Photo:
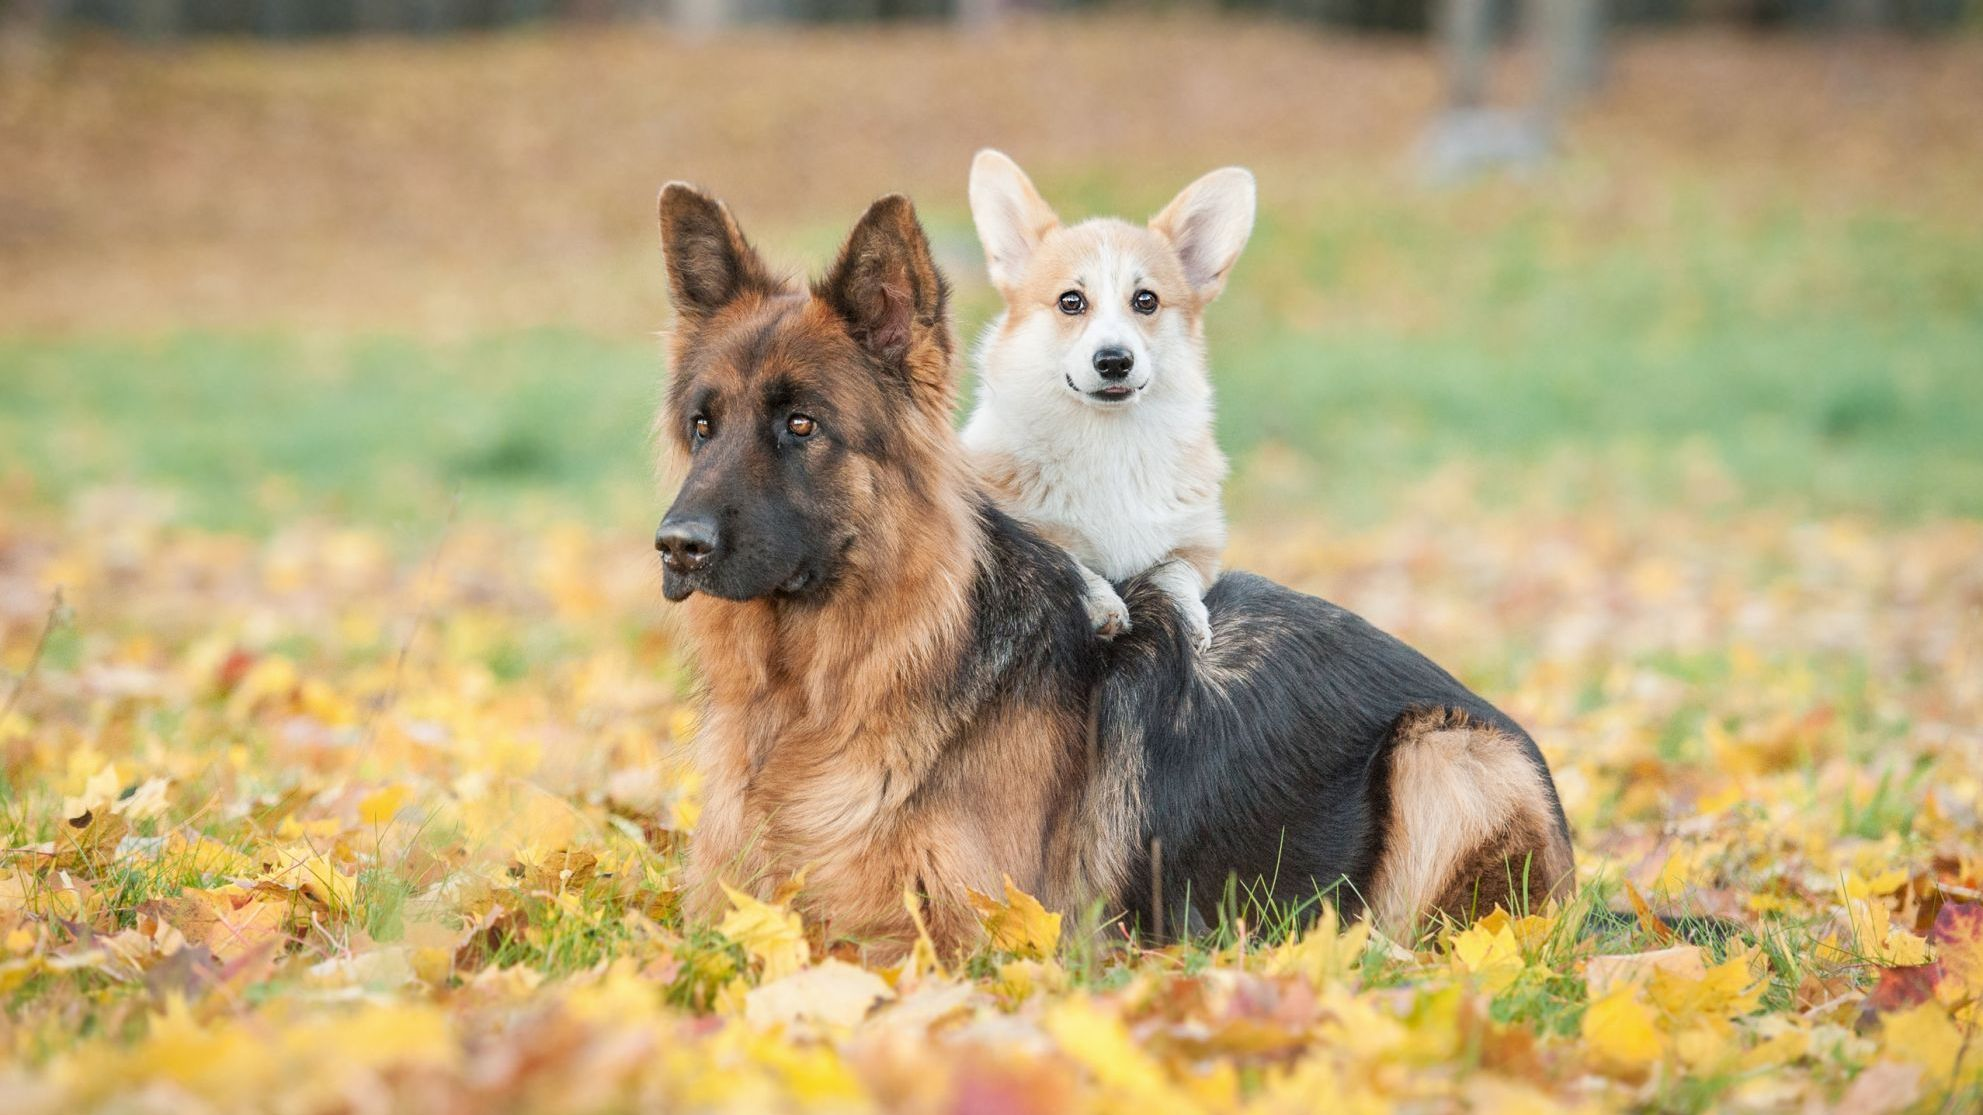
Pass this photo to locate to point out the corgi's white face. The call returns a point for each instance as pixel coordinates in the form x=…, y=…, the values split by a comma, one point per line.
x=1103, y=314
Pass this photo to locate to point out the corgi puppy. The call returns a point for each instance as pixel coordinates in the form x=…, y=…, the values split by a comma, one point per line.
x=1094, y=414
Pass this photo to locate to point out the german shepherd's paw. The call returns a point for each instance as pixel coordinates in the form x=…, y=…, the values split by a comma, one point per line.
x=1106, y=611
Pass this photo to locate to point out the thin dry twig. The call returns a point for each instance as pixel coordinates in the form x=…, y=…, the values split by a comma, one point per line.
x=420, y=617
x=48, y=625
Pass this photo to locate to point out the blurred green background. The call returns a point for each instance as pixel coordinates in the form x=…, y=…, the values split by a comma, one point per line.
x=364, y=277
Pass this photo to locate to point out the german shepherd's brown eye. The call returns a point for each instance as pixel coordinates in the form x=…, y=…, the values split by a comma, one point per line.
x=701, y=427
x=1144, y=301
x=801, y=425
x=1073, y=302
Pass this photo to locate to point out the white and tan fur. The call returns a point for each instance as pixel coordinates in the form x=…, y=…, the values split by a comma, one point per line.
x=1130, y=484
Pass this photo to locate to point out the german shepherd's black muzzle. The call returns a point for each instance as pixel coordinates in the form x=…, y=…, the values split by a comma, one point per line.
x=739, y=541
x=687, y=545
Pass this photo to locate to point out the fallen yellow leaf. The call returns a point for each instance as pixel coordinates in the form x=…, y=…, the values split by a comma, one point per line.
x=1620, y=1030
x=1492, y=957
x=831, y=994
x=1603, y=973
x=1098, y=1040
x=774, y=935
x=381, y=807
x=1019, y=924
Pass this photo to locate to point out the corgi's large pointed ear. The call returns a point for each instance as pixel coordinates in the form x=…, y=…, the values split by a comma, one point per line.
x=1010, y=214
x=1208, y=223
x=710, y=263
x=886, y=287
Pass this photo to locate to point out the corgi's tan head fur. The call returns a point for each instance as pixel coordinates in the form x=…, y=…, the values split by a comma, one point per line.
x=1105, y=313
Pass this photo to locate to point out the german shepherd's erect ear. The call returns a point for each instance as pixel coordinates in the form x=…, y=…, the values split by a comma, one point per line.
x=887, y=289
x=710, y=264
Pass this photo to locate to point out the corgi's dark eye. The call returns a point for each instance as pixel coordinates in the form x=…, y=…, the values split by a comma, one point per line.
x=700, y=427
x=1144, y=301
x=1073, y=302
x=801, y=425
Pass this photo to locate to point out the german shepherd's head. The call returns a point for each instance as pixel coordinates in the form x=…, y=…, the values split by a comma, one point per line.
x=813, y=423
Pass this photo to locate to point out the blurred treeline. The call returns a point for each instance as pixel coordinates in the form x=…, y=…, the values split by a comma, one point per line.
x=157, y=19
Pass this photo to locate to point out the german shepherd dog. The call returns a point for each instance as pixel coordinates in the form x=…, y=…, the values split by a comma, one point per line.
x=905, y=696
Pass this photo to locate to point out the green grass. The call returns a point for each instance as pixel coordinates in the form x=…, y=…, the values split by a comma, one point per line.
x=1827, y=364
x=245, y=430
x=1833, y=366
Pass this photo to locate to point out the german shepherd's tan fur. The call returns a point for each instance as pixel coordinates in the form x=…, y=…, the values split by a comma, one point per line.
x=822, y=724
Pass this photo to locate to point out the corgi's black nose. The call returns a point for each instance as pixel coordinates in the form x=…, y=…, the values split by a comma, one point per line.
x=1114, y=362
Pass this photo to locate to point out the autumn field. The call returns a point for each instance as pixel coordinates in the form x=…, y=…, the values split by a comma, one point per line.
x=342, y=722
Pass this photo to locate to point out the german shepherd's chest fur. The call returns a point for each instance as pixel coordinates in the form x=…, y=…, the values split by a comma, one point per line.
x=869, y=747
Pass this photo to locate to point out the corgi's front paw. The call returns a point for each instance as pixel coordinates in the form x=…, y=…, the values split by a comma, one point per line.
x=1106, y=612
x=1197, y=623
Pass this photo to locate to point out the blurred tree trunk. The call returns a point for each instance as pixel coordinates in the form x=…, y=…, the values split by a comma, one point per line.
x=280, y=19
x=424, y=16
x=31, y=19
x=372, y=16
x=26, y=27
x=707, y=15
x=1466, y=36
x=1471, y=137
x=155, y=20
x=1865, y=15
x=982, y=13
x=1570, y=34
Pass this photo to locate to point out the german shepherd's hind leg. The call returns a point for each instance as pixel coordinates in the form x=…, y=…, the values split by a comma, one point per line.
x=1106, y=612
x=1470, y=824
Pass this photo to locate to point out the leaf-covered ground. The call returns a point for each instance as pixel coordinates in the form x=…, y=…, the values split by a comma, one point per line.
x=341, y=720
x=293, y=825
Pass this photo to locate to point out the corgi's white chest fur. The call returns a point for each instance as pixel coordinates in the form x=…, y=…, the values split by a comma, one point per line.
x=1122, y=490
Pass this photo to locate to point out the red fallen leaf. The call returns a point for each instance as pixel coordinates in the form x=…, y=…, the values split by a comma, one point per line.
x=1514, y=1051
x=189, y=972
x=1958, y=940
x=232, y=669
x=1957, y=923
x=1900, y=988
x=1179, y=1000
x=1007, y=1089
x=487, y=938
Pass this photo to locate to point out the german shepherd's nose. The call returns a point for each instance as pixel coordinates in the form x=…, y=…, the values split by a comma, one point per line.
x=1114, y=362
x=686, y=544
